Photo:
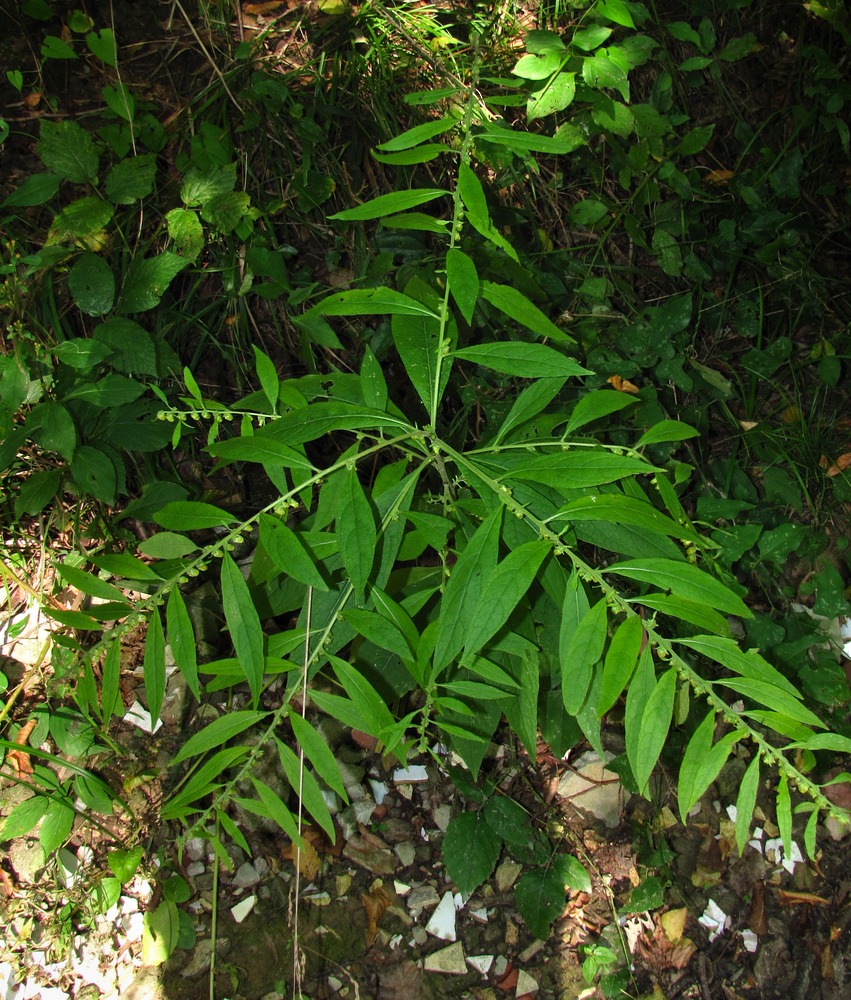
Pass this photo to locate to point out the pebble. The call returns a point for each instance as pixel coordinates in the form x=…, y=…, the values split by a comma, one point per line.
x=449, y=961
x=195, y=868
x=246, y=876
x=243, y=908
x=442, y=923
x=424, y=897
x=406, y=853
x=196, y=848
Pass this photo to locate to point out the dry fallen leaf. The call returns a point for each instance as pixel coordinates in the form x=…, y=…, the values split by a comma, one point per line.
x=673, y=923
x=375, y=902
x=790, y=898
x=622, y=385
x=838, y=467
x=307, y=859
x=719, y=176
x=20, y=759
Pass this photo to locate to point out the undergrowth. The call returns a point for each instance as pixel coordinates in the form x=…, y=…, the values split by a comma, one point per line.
x=480, y=384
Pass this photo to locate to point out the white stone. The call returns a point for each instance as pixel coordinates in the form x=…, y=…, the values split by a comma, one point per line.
x=412, y=775
x=379, y=790
x=442, y=816
x=442, y=923
x=195, y=868
x=750, y=941
x=406, y=853
x=593, y=789
x=137, y=715
x=481, y=963
x=195, y=848
x=243, y=908
x=246, y=876
x=525, y=984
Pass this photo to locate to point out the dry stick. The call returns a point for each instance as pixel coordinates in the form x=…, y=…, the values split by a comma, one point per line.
x=297, y=853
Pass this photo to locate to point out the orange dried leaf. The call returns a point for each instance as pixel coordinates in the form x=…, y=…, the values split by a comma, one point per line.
x=790, y=898
x=375, y=902
x=306, y=859
x=719, y=176
x=622, y=385
x=839, y=466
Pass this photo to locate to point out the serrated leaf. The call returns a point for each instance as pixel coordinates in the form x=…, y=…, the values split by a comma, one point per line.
x=573, y=873
x=683, y=580
x=244, y=625
x=582, y=653
x=540, y=897
x=68, y=151
x=92, y=284
x=508, y=819
x=523, y=360
x=389, y=204
x=701, y=763
x=154, y=665
x=131, y=179
x=147, y=280
x=186, y=232
x=217, y=733
x=24, y=817
x=470, y=851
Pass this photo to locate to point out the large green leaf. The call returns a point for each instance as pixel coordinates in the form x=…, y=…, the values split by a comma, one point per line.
x=369, y=702
x=540, y=897
x=417, y=339
x=463, y=281
x=289, y=553
x=772, y=697
x=683, y=580
x=625, y=510
x=307, y=787
x=154, y=665
x=470, y=850
x=320, y=755
x=580, y=655
x=620, y=662
x=463, y=594
x=692, y=612
x=579, y=469
x=746, y=803
x=356, y=531
x=147, y=280
x=243, y=624
x=190, y=515
x=68, y=150
x=502, y=592
x=181, y=638
x=531, y=401
x=318, y=419
x=750, y=664
x=217, y=733
x=598, y=404
x=388, y=204
x=472, y=194
x=516, y=305
x=523, y=360
x=644, y=747
x=419, y=133
x=701, y=762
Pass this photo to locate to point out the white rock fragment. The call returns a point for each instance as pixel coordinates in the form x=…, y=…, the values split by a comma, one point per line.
x=379, y=790
x=317, y=898
x=442, y=923
x=195, y=868
x=335, y=984
x=196, y=848
x=449, y=961
x=243, y=908
x=750, y=941
x=137, y=715
x=525, y=984
x=442, y=815
x=714, y=919
x=415, y=774
x=593, y=789
x=401, y=888
x=775, y=846
x=481, y=914
x=481, y=963
x=406, y=853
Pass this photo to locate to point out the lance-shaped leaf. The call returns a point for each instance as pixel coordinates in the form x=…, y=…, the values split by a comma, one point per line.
x=217, y=733
x=579, y=469
x=687, y=611
x=289, y=553
x=751, y=664
x=502, y=592
x=534, y=398
x=388, y=204
x=307, y=787
x=683, y=580
x=181, y=638
x=746, y=803
x=582, y=652
x=356, y=531
x=244, y=625
x=463, y=281
x=368, y=701
x=772, y=697
x=523, y=360
x=463, y=593
x=598, y=404
x=473, y=196
x=515, y=304
x=418, y=339
x=202, y=782
x=261, y=449
x=419, y=133
x=154, y=665
x=322, y=418
x=667, y=430
x=189, y=515
x=701, y=763
x=620, y=662
x=370, y=302
x=624, y=510
x=644, y=747
x=317, y=751
x=110, y=683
